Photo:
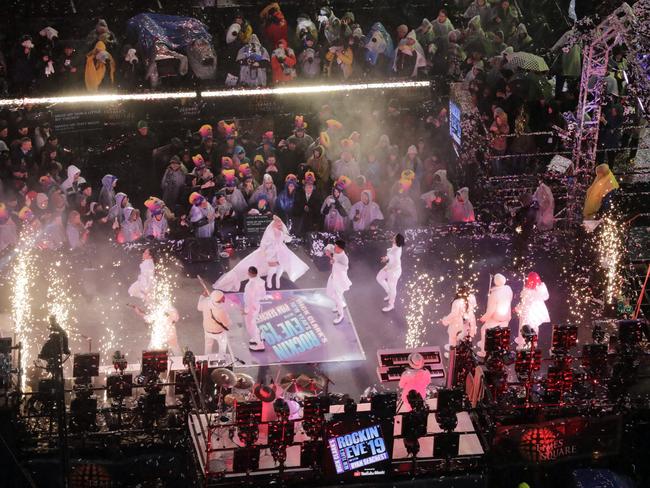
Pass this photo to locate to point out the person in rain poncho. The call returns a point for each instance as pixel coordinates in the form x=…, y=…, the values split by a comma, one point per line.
x=380, y=50
x=365, y=214
x=285, y=206
x=461, y=209
x=173, y=182
x=338, y=282
x=442, y=26
x=442, y=194
x=272, y=257
x=409, y=57
x=461, y=321
x=202, y=216
x=156, y=225
x=321, y=167
x=481, y=9
x=283, y=63
x=143, y=287
x=531, y=309
x=99, y=64
x=233, y=194
x=216, y=321
x=347, y=165
x=546, y=203
x=267, y=190
x=71, y=183
x=604, y=183
x=253, y=59
x=401, y=208
x=107, y=193
x=254, y=293
x=116, y=212
x=391, y=272
x=76, y=231
x=336, y=209
x=131, y=229
x=8, y=232
x=498, y=311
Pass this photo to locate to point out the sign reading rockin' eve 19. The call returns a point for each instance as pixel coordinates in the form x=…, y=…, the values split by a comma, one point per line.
x=290, y=329
x=358, y=449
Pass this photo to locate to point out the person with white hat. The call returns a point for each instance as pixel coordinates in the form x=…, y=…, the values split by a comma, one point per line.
x=499, y=309
x=415, y=377
x=216, y=321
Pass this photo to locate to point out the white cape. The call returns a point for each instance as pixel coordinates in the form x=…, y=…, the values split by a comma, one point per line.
x=274, y=242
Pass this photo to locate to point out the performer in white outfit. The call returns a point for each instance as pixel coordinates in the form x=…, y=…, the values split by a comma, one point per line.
x=531, y=309
x=338, y=282
x=499, y=309
x=143, y=287
x=216, y=321
x=391, y=272
x=273, y=257
x=254, y=293
x=461, y=321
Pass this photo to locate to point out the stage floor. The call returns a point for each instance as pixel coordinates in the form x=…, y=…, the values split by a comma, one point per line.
x=93, y=290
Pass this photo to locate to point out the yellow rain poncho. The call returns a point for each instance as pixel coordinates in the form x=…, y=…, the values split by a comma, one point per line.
x=604, y=183
x=96, y=69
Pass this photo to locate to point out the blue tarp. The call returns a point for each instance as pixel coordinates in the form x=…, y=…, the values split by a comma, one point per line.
x=174, y=31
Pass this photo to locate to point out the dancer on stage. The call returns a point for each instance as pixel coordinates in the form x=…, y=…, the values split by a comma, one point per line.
x=273, y=257
x=143, y=287
x=498, y=311
x=216, y=321
x=338, y=282
x=390, y=273
x=461, y=320
x=531, y=309
x=254, y=292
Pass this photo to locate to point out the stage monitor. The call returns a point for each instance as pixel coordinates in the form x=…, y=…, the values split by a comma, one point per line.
x=358, y=449
x=455, y=128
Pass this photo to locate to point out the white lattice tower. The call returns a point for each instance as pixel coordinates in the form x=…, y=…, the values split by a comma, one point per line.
x=609, y=33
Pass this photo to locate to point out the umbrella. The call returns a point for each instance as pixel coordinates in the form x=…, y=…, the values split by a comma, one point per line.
x=527, y=61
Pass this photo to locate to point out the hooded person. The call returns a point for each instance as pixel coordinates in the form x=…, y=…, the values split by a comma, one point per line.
x=603, y=184
x=173, y=182
x=216, y=321
x=460, y=321
x=222, y=207
x=499, y=309
x=8, y=231
x=156, y=226
x=336, y=210
x=71, y=184
x=442, y=26
x=461, y=209
x=131, y=229
x=521, y=41
x=143, y=287
x=321, y=167
x=272, y=258
x=347, y=165
x=481, y=9
x=283, y=63
x=308, y=203
x=329, y=27
x=275, y=25
x=25, y=65
x=100, y=68
x=531, y=308
x=285, y=206
x=202, y=216
x=546, y=207
x=253, y=59
x=234, y=194
x=442, y=194
x=300, y=138
x=365, y=214
x=309, y=59
x=409, y=57
x=402, y=213
x=266, y=189
x=379, y=51
x=116, y=212
x=107, y=193
x=425, y=34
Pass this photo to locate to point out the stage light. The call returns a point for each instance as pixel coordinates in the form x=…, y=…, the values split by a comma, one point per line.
x=565, y=337
x=253, y=92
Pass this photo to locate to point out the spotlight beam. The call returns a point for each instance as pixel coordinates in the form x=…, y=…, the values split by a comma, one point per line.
x=253, y=92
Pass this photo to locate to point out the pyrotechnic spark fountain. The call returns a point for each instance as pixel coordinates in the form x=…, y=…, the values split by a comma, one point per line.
x=59, y=298
x=422, y=291
x=161, y=303
x=610, y=249
x=23, y=277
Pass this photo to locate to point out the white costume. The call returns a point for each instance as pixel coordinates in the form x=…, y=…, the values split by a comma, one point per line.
x=390, y=273
x=531, y=309
x=461, y=320
x=216, y=322
x=143, y=287
x=338, y=282
x=272, y=248
x=499, y=308
x=198, y=214
x=254, y=293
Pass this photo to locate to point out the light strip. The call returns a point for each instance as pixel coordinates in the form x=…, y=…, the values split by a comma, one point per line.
x=304, y=90
x=106, y=98
x=289, y=90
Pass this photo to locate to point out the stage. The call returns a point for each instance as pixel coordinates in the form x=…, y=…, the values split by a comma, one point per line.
x=91, y=289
